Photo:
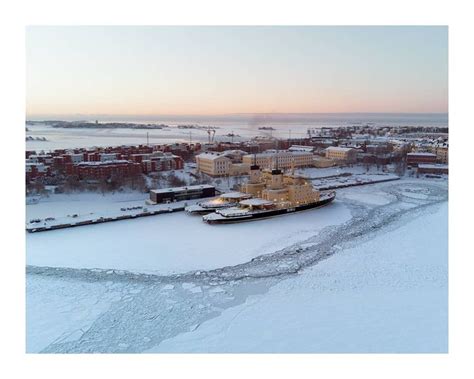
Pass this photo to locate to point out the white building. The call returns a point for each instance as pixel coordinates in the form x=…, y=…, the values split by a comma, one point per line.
x=341, y=153
x=214, y=164
x=284, y=159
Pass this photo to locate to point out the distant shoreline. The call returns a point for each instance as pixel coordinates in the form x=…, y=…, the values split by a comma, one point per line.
x=259, y=120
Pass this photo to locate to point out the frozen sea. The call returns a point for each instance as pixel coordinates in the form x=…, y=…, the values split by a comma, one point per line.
x=170, y=243
x=242, y=126
x=365, y=274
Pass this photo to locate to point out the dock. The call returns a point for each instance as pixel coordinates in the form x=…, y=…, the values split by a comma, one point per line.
x=75, y=220
x=335, y=182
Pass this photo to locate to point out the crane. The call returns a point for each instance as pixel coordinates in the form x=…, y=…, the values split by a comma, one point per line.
x=211, y=132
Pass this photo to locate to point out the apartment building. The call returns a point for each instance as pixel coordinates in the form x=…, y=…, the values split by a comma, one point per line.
x=417, y=158
x=104, y=170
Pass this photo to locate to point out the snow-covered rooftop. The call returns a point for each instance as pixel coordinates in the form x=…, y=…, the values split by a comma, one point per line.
x=338, y=148
x=234, y=152
x=270, y=153
x=427, y=165
x=103, y=163
x=308, y=149
x=421, y=154
x=182, y=189
x=210, y=156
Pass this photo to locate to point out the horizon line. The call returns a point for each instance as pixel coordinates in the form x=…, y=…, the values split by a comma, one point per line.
x=227, y=114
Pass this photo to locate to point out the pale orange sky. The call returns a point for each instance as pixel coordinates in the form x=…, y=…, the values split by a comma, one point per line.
x=219, y=70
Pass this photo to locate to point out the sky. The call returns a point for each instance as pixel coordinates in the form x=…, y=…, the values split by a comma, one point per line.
x=209, y=70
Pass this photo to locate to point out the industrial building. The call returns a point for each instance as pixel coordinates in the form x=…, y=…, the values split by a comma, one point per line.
x=167, y=195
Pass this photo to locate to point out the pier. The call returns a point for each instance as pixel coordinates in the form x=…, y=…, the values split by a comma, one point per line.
x=335, y=182
x=74, y=220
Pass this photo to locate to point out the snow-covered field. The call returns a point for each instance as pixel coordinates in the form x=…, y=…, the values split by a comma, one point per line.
x=366, y=274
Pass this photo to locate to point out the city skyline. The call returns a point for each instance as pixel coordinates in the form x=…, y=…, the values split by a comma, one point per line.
x=140, y=70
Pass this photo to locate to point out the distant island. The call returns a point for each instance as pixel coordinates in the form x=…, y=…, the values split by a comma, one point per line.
x=112, y=125
x=194, y=126
x=97, y=125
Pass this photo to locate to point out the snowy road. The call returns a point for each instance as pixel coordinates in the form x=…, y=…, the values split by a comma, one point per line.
x=110, y=310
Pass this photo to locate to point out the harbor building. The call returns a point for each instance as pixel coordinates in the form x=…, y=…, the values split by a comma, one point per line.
x=167, y=195
x=341, y=153
x=220, y=164
x=283, y=159
x=214, y=164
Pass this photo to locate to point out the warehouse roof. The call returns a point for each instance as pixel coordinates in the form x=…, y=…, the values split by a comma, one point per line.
x=211, y=156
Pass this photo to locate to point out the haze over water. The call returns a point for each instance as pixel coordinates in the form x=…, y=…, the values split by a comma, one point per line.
x=277, y=120
x=243, y=126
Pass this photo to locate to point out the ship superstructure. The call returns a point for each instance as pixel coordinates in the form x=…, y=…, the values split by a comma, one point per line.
x=252, y=188
x=273, y=193
x=223, y=201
